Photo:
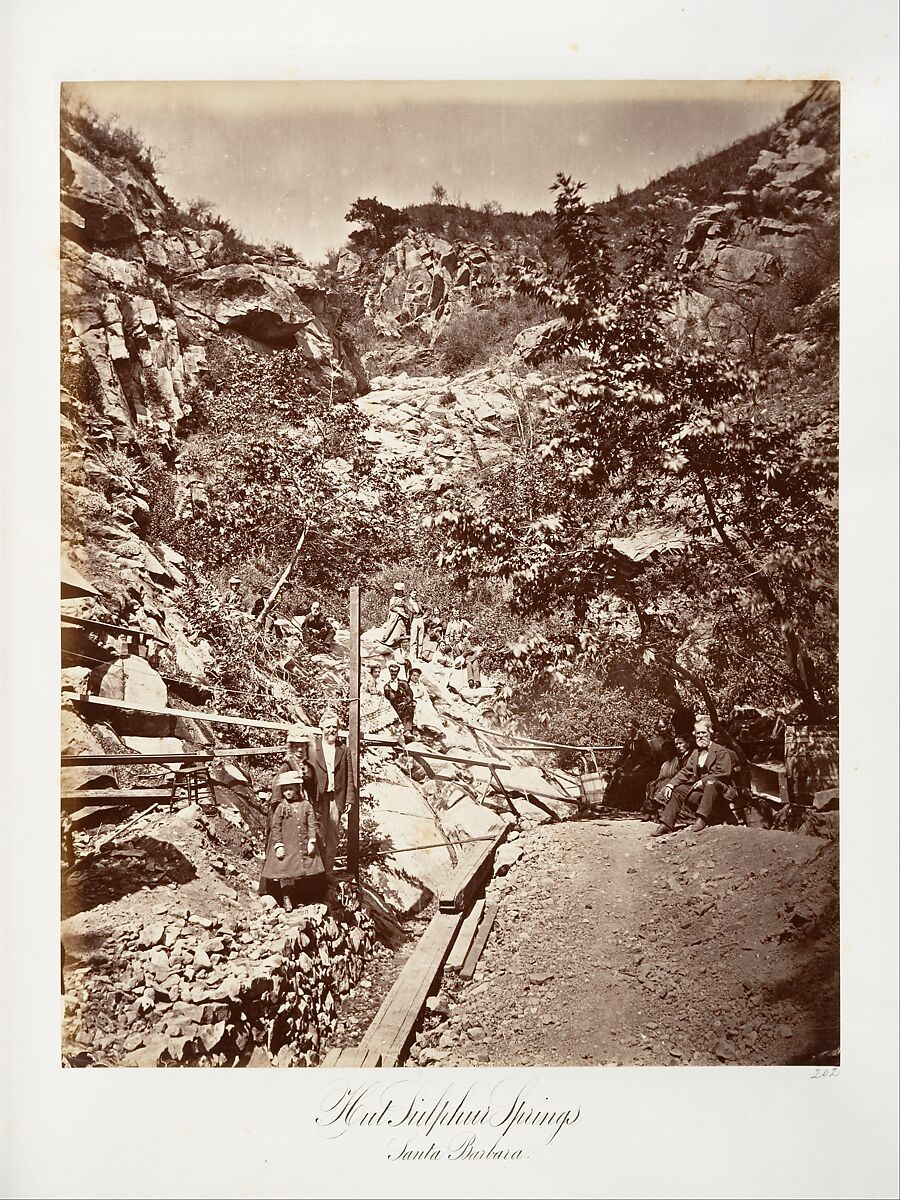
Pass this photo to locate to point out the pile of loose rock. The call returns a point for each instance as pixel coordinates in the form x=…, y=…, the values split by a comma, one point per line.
x=196, y=991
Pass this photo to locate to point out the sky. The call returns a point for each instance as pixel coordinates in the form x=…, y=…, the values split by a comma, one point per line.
x=284, y=161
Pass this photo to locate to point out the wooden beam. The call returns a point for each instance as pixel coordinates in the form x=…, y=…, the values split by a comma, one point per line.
x=468, y=876
x=506, y=796
x=487, y=922
x=126, y=798
x=401, y=1008
x=353, y=723
x=330, y=1059
x=496, y=763
x=108, y=627
x=282, y=579
x=464, y=938
x=532, y=744
x=136, y=760
x=210, y=718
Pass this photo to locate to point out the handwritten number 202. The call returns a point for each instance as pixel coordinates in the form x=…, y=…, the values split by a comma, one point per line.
x=826, y=1072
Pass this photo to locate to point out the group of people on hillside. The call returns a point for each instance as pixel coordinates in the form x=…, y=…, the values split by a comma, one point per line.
x=430, y=635
x=668, y=773
x=416, y=634
x=310, y=794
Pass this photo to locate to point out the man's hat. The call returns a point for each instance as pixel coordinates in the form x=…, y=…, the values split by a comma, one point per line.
x=235, y=579
x=398, y=587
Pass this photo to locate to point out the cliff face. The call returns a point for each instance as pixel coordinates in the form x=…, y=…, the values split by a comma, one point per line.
x=142, y=293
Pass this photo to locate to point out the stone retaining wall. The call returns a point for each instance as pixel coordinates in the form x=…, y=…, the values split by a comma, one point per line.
x=191, y=991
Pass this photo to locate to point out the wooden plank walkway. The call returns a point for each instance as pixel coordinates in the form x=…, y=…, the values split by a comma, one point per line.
x=390, y=1031
x=464, y=938
x=462, y=885
x=484, y=930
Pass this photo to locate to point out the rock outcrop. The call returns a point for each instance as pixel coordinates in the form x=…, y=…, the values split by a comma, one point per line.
x=422, y=278
x=739, y=241
x=142, y=290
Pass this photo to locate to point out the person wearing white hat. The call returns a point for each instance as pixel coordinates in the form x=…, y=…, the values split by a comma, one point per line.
x=330, y=760
x=293, y=869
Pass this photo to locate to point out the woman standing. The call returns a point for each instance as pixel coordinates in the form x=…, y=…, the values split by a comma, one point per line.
x=292, y=863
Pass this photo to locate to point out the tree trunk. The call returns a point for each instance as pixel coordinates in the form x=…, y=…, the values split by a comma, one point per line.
x=283, y=578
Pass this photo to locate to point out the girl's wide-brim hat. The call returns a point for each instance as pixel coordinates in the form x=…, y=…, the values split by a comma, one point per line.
x=398, y=587
x=290, y=779
x=297, y=733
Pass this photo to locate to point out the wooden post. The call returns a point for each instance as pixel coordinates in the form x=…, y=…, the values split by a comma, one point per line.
x=353, y=725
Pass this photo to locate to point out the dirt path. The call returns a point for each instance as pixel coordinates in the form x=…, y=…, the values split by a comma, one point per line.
x=613, y=948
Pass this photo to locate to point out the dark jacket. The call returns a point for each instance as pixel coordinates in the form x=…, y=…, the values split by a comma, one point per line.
x=294, y=827
x=343, y=781
x=401, y=698
x=718, y=766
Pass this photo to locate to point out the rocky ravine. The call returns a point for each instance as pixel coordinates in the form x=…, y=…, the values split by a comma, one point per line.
x=141, y=294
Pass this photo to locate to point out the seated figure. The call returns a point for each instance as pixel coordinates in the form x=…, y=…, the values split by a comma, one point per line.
x=703, y=786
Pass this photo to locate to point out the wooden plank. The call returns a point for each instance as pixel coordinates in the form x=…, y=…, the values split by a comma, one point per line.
x=396, y=1030
x=130, y=798
x=135, y=760
x=402, y=1006
x=464, y=938
x=209, y=718
x=487, y=922
x=372, y=1059
x=468, y=876
x=330, y=1059
x=415, y=752
x=353, y=730
x=351, y=1056
x=107, y=627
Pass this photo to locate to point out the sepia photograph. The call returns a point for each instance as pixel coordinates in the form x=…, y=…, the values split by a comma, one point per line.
x=449, y=573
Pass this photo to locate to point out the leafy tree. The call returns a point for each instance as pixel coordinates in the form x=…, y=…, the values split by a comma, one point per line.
x=662, y=430
x=382, y=226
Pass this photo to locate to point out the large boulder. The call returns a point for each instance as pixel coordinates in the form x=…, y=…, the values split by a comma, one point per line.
x=414, y=861
x=134, y=681
x=271, y=306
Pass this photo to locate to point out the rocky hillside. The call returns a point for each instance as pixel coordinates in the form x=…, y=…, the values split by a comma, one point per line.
x=217, y=419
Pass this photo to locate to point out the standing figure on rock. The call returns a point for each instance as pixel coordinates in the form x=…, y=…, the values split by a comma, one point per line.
x=416, y=625
x=396, y=624
x=330, y=760
x=293, y=870
x=399, y=695
x=703, y=786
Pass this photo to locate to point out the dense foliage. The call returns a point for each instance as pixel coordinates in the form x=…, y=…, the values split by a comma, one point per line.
x=662, y=431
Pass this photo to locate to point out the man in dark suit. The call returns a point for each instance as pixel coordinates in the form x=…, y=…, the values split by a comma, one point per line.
x=703, y=785
x=330, y=760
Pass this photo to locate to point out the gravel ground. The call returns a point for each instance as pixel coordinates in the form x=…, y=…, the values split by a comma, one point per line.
x=613, y=948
